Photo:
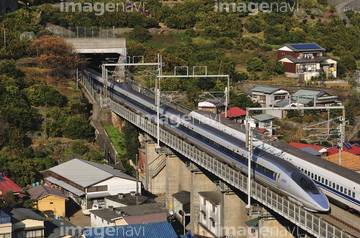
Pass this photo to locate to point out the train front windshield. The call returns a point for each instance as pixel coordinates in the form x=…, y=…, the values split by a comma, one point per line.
x=305, y=183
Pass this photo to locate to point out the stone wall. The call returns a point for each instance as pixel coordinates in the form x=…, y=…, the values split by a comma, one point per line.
x=8, y=6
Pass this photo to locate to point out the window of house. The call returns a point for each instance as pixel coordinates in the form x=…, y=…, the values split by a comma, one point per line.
x=204, y=216
x=212, y=220
x=51, y=202
x=142, y=167
x=262, y=97
x=97, y=188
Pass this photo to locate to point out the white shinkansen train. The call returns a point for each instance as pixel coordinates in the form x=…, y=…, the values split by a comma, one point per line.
x=280, y=175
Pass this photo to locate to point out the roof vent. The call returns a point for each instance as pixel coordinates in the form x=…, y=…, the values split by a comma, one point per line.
x=133, y=193
x=119, y=212
x=111, y=208
x=120, y=195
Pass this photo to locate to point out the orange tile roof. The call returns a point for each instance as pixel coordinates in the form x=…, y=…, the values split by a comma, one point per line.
x=348, y=160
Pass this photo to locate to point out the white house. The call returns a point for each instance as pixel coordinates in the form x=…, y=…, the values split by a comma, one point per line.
x=90, y=182
x=210, y=211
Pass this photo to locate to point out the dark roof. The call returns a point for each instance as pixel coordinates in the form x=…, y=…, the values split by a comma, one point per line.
x=298, y=61
x=42, y=191
x=135, y=210
x=59, y=228
x=264, y=89
x=212, y=196
x=183, y=197
x=20, y=214
x=156, y=229
x=146, y=218
x=6, y=184
x=130, y=200
x=300, y=47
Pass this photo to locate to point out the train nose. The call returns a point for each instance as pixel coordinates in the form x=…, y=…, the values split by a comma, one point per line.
x=321, y=202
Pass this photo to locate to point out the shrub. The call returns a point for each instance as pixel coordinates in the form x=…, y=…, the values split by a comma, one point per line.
x=254, y=64
x=312, y=16
x=78, y=147
x=140, y=34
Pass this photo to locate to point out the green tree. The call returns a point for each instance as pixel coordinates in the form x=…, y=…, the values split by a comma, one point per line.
x=254, y=64
x=140, y=34
x=131, y=141
x=94, y=156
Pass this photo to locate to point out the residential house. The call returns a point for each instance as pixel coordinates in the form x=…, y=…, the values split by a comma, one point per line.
x=264, y=122
x=154, y=229
x=304, y=98
x=6, y=184
x=5, y=225
x=143, y=213
x=352, y=149
x=181, y=202
x=25, y=223
x=317, y=150
x=128, y=199
x=210, y=210
x=49, y=200
x=236, y=114
x=267, y=97
x=348, y=160
x=305, y=60
x=90, y=182
x=214, y=105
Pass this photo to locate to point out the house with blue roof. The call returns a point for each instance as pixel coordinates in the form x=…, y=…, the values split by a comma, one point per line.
x=306, y=60
x=154, y=229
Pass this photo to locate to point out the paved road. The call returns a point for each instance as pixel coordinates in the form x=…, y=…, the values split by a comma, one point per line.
x=340, y=10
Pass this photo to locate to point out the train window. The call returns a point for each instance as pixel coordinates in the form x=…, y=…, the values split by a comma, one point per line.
x=345, y=191
x=312, y=175
x=341, y=189
x=326, y=182
x=349, y=192
x=337, y=186
x=305, y=172
x=322, y=180
x=333, y=185
x=315, y=177
x=353, y=195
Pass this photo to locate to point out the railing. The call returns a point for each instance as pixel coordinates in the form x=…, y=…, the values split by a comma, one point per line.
x=294, y=213
x=83, y=32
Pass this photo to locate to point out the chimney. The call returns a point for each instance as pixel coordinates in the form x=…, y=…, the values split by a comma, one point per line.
x=111, y=208
x=120, y=195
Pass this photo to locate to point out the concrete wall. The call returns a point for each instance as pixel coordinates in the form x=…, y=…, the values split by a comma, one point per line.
x=98, y=45
x=271, y=228
x=200, y=182
x=178, y=178
x=118, y=185
x=5, y=229
x=97, y=221
x=52, y=203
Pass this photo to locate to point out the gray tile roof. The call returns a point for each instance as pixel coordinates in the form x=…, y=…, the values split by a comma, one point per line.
x=86, y=173
x=129, y=200
x=20, y=214
x=311, y=150
x=264, y=89
x=134, y=210
x=306, y=93
x=212, y=196
x=183, y=197
x=43, y=191
x=263, y=117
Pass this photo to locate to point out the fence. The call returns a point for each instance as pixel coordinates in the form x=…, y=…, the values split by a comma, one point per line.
x=83, y=32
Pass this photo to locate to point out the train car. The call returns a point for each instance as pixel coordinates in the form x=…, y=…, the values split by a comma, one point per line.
x=341, y=185
x=281, y=176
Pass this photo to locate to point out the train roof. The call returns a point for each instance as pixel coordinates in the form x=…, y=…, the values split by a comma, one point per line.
x=323, y=163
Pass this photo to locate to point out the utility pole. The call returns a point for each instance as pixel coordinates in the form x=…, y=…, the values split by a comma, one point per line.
x=137, y=179
x=249, y=138
x=4, y=38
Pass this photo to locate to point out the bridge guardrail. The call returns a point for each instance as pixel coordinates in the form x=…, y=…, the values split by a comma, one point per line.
x=304, y=219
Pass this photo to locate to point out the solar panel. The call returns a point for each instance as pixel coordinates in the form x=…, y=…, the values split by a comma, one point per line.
x=306, y=46
x=347, y=145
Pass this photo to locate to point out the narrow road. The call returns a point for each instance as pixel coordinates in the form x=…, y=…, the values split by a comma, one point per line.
x=340, y=10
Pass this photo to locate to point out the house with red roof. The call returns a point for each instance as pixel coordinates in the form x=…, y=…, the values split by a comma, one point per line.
x=6, y=184
x=314, y=148
x=352, y=149
x=235, y=113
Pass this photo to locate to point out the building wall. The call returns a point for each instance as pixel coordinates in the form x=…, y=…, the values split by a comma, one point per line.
x=52, y=203
x=28, y=223
x=289, y=67
x=205, y=220
x=97, y=221
x=5, y=230
x=291, y=53
x=121, y=222
x=118, y=185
